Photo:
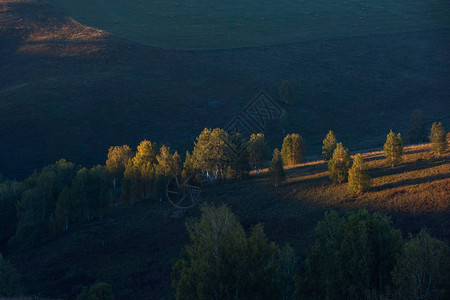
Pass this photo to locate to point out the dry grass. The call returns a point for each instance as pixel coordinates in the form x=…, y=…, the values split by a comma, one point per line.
x=415, y=194
x=419, y=185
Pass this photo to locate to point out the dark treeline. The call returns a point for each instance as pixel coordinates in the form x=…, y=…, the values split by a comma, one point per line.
x=358, y=256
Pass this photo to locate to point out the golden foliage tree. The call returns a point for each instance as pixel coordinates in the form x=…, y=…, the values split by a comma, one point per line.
x=438, y=138
x=393, y=149
x=329, y=144
x=293, y=149
x=339, y=164
x=117, y=161
x=358, y=177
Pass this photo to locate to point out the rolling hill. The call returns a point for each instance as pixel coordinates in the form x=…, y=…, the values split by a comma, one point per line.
x=68, y=90
x=133, y=247
x=210, y=24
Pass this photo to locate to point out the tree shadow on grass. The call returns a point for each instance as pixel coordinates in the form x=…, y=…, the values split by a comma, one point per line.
x=412, y=181
x=380, y=155
x=420, y=164
x=315, y=181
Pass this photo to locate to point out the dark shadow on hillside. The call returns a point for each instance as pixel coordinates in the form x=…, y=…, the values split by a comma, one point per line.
x=420, y=164
x=407, y=182
x=380, y=156
x=308, y=169
x=437, y=224
x=315, y=181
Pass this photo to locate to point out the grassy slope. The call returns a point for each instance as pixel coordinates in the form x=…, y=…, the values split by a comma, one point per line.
x=133, y=248
x=212, y=24
x=67, y=90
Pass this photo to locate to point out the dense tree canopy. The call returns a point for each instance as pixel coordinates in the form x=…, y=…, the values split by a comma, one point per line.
x=9, y=196
x=351, y=258
x=91, y=191
x=211, y=151
x=141, y=173
x=117, y=161
x=32, y=222
x=221, y=262
x=423, y=269
x=168, y=164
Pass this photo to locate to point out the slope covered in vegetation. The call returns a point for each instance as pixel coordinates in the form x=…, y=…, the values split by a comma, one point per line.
x=134, y=247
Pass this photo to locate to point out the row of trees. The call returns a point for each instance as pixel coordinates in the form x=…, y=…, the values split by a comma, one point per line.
x=216, y=153
x=343, y=168
x=63, y=193
x=353, y=257
x=416, y=133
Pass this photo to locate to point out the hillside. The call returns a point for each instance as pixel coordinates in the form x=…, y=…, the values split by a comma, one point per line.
x=211, y=24
x=134, y=247
x=72, y=91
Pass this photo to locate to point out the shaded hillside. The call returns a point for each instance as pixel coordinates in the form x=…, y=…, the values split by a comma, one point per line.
x=133, y=248
x=211, y=24
x=67, y=90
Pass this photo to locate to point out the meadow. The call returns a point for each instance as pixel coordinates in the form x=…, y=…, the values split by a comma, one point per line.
x=211, y=24
x=134, y=247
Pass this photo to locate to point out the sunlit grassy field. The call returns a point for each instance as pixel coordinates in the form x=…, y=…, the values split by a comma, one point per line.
x=200, y=24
